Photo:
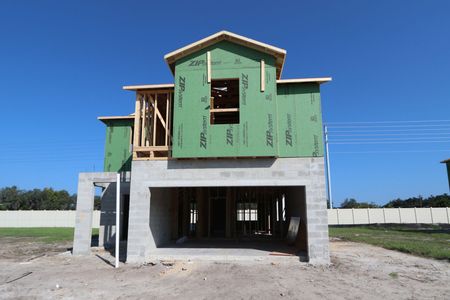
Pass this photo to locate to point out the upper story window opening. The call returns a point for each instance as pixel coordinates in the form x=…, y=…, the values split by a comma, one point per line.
x=224, y=105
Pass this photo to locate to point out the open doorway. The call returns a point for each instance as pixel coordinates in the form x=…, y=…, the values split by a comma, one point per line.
x=125, y=212
x=217, y=211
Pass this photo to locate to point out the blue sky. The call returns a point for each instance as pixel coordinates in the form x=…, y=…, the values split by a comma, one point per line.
x=63, y=63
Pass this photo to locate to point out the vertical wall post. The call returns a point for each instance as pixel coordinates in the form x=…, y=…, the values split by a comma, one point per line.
x=137, y=121
x=448, y=216
x=155, y=116
x=263, y=75
x=415, y=214
x=208, y=66
x=330, y=197
x=143, y=131
x=167, y=119
x=117, y=219
x=431, y=214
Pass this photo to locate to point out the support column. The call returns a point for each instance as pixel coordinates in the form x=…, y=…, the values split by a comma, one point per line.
x=83, y=221
x=85, y=207
x=316, y=215
x=140, y=238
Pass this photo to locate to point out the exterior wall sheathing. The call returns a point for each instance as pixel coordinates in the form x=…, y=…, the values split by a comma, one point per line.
x=118, y=146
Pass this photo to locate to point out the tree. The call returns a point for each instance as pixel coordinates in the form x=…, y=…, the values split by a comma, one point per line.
x=432, y=201
x=11, y=198
x=352, y=203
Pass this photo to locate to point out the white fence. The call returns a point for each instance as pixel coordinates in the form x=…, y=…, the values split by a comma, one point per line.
x=42, y=218
x=66, y=218
x=424, y=215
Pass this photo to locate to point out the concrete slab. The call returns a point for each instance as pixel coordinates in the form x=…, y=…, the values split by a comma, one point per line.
x=225, y=250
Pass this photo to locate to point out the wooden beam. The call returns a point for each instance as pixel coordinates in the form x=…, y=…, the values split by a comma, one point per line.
x=155, y=110
x=149, y=122
x=137, y=121
x=154, y=103
x=167, y=118
x=208, y=63
x=263, y=75
x=143, y=137
x=215, y=110
x=152, y=148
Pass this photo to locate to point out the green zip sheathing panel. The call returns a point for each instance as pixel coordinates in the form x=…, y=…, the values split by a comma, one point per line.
x=256, y=133
x=117, y=147
x=299, y=120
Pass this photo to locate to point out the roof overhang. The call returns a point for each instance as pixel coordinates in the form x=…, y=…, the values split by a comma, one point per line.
x=318, y=80
x=278, y=53
x=446, y=161
x=104, y=119
x=162, y=86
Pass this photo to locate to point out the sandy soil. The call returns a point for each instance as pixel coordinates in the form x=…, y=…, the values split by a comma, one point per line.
x=358, y=271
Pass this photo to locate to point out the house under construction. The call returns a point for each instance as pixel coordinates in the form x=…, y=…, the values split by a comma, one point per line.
x=228, y=151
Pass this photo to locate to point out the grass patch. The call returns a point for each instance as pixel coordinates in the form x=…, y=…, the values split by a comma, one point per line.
x=393, y=275
x=428, y=241
x=44, y=234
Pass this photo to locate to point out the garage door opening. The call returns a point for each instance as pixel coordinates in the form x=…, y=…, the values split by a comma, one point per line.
x=256, y=218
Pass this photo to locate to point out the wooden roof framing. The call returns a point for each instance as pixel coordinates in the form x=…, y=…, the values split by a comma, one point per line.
x=318, y=80
x=107, y=118
x=278, y=53
x=162, y=86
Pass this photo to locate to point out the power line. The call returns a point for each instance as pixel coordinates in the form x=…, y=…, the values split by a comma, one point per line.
x=394, y=134
x=388, y=126
x=386, y=122
x=399, y=151
x=394, y=142
x=389, y=139
x=359, y=130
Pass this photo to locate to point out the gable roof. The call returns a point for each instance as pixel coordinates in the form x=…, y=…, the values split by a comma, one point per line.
x=278, y=53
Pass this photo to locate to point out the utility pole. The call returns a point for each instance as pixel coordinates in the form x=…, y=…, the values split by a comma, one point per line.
x=327, y=157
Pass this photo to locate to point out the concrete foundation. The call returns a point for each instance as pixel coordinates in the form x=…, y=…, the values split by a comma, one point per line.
x=149, y=222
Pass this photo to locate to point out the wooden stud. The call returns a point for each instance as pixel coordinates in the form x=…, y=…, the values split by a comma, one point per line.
x=208, y=63
x=149, y=121
x=224, y=110
x=155, y=108
x=263, y=75
x=143, y=137
x=167, y=118
x=137, y=121
x=160, y=117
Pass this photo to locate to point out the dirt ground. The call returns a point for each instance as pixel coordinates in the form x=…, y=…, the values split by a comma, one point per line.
x=358, y=271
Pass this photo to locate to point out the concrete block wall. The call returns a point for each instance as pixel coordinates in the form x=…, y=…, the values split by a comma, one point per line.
x=317, y=216
x=307, y=172
x=160, y=215
x=107, y=228
x=85, y=208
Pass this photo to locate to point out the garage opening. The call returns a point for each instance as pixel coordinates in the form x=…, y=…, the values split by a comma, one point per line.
x=224, y=217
